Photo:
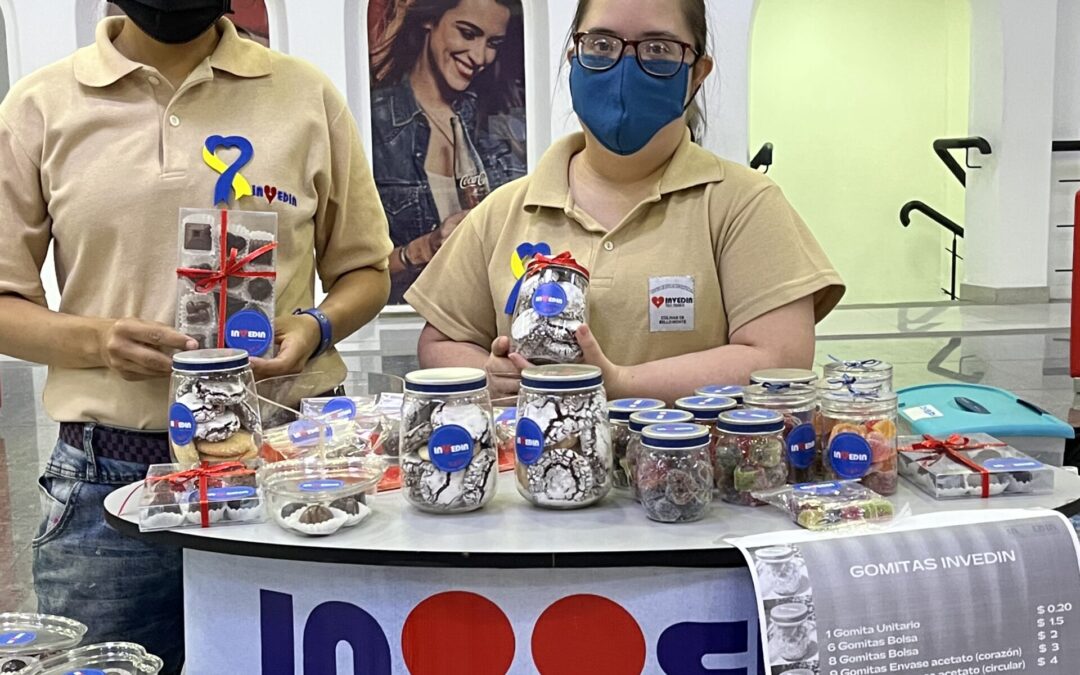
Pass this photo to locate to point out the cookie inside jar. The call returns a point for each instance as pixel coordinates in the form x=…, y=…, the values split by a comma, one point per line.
x=551, y=305
x=214, y=416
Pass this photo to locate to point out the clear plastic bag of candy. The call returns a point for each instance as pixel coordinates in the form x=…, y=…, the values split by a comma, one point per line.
x=829, y=505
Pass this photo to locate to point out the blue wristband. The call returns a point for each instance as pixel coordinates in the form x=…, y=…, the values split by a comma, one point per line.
x=326, y=331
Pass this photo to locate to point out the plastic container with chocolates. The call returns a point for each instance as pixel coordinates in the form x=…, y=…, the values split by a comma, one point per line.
x=27, y=637
x=734, y=391
x=858, y=437
x=319, y=497
x=226, y=278
x=563, y=439
x=449, y=459
x=973, y=465
x=214, y=416
x=619, y=416
x=829, y=505
x=177, y=495
x=750, y=454
x=798, y=404
x=638, y=422
x=109, y=658
x=674, y=472
x=551, y=305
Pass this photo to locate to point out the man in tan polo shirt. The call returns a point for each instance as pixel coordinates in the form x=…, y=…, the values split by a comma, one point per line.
x=97, y=155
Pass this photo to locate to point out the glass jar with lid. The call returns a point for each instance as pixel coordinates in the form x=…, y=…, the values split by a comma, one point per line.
x=858, y=437
x=749, y=454
x=791, y=631
x=784, y=376
x=674, y=472
x=706, y=410
x=638, y=422
x=619, y=416
x=798, y=404
x=449, y=453
x=214, y=416
x=734, y=391
x=563, y=451
x=867, y=373
x=778, y=571
x=549, y=306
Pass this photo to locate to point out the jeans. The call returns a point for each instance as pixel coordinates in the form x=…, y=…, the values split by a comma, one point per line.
x=122, y=588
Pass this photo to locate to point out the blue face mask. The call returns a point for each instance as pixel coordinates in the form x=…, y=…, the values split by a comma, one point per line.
x=625, y=107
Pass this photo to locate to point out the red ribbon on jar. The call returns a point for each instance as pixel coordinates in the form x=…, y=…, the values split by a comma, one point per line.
x=953, y=447
x=204, y=474
x=564, y=259
x=231, y=266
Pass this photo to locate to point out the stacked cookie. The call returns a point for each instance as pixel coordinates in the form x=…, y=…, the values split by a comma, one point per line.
x=226, y=422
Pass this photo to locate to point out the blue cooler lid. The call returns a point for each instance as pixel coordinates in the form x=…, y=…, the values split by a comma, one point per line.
x=956, y=408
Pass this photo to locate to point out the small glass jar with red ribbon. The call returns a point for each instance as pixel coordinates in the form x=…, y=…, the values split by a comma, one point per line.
x=857, y=437
x=176, y=495
x=971, y=465
x=551, y=304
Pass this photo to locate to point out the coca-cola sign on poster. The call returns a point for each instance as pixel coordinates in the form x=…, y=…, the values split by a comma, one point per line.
x=447, y=116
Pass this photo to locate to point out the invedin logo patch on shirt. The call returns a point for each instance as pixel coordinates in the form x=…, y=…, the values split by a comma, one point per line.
x=671, y=304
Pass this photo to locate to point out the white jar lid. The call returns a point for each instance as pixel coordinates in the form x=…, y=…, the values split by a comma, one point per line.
x=445, y=381
x=562, y=377
x=210, y=360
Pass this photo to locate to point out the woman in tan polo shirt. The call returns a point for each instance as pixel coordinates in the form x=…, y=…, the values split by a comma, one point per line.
x=701, y=272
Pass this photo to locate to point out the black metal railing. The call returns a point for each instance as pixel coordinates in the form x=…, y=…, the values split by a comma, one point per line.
x=763, y=158
x=955, y=228
x=942, y=146
x=1066, y=146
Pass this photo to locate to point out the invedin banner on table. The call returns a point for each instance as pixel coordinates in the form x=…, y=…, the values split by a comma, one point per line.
x=250, y=616
x=948, y=594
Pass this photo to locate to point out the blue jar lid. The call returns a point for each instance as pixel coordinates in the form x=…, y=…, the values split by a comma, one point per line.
x=750, y=421
x=730, y=390
x=445, y=381
x=675, y=436
x=640, y=420
x=209, y=360
x=562, y=378
x=624, y=407
x=706, y=408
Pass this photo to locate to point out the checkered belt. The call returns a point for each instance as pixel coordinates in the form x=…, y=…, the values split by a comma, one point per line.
x=141, y=447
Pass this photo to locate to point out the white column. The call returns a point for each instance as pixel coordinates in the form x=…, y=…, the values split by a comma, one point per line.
x=1012, y=106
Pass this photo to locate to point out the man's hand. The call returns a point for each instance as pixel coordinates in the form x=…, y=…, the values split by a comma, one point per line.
x=296, y=337
x=140, y=350
x=504, y=369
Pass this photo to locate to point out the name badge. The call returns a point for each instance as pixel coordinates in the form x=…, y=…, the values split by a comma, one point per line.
x=671, y=304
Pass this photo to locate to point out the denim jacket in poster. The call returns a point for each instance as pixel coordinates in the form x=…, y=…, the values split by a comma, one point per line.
x=400, y=135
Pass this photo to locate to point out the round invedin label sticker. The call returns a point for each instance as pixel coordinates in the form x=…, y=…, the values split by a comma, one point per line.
x=321, y=485
x=549, y=300
x=228, y=494
x=1012, y=464
x=305, y=433
x=528, y=441
x=508, y=415
x=450, y=448
x=339, y=408
x=817, y=489
x=850, y=456
x=181, y=424
x=17, y=637
x=802, y=442
x=249, y=330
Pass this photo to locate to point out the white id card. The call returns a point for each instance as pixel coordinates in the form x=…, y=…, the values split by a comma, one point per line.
x=671, y=304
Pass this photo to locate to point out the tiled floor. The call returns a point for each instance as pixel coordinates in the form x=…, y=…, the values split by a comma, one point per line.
x=1020, y=348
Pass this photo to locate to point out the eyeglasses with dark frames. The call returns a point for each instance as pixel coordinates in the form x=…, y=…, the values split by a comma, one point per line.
x=658, y=57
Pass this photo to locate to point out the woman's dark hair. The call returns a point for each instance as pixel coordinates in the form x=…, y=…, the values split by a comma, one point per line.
x=403, y=34
x=697, y=17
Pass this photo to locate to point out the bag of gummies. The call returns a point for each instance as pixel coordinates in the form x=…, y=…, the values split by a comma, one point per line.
x=551, y=305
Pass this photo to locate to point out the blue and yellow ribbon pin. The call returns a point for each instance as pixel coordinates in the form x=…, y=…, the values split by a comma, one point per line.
x=522, y=253
x=231, y=178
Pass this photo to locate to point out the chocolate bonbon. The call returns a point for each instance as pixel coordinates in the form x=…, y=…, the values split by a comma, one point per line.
x=319, y=497
x=971, y=465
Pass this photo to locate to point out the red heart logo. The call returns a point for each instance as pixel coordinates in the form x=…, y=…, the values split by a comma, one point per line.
x=269, y=192
x=658, y=301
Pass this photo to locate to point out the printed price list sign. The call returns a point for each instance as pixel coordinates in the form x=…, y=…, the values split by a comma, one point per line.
x=968, y=599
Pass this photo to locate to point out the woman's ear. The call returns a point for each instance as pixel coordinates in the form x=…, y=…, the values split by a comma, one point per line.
x=428, y=26
x=570, y=55
x=702, y=69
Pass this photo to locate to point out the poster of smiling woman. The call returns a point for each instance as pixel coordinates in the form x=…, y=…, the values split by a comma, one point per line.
x=447, y=116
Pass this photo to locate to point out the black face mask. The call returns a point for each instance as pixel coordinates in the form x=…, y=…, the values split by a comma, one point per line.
x=174, y=21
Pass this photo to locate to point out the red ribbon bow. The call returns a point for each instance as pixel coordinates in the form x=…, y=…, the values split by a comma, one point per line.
x=231, y=266
x=203, y=474
x=953, y=447
x=541, y=262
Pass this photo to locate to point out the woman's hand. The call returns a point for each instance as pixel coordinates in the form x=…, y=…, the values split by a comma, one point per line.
x=504, y=369
x=616, y=378
x=446, y=228
x=140, y=350
x=296, y=336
